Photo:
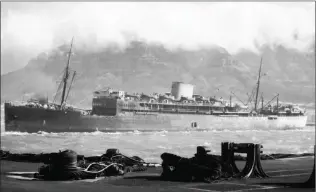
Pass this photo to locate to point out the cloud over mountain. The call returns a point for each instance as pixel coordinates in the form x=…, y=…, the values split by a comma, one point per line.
x=31, y=28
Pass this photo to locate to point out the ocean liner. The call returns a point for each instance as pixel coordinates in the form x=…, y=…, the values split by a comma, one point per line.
x=178, y=110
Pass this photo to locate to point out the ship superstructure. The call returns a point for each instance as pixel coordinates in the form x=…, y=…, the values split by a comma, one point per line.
x=180, y=100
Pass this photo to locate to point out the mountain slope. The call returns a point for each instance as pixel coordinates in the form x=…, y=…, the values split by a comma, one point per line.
x=152, y=68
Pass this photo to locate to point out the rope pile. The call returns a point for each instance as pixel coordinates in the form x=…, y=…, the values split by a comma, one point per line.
x=67, y=165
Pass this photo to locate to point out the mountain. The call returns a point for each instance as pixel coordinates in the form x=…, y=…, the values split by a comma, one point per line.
x=151, y=68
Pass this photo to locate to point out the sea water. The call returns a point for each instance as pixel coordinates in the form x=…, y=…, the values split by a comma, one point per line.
x=150, y=145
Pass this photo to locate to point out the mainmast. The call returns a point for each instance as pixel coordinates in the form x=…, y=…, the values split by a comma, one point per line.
x=66, y=76
x=258, y=85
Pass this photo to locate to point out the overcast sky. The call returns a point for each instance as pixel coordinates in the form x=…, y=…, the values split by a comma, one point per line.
x=30, y=28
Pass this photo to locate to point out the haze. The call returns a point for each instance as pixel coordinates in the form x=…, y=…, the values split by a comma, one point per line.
x=28, y=29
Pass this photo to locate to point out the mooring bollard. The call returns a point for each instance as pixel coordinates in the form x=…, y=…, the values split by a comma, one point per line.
x=253, y=168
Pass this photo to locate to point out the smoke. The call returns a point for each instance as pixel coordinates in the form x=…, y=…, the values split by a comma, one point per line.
x=30, y=28
x=27, y=84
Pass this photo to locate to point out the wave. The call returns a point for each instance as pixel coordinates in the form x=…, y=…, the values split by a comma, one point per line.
x=136, y=132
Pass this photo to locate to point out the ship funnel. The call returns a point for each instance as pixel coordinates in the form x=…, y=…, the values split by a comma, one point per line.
x=179, y=89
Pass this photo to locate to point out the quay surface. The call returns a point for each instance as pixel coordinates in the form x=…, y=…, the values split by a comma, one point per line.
x=284, y=176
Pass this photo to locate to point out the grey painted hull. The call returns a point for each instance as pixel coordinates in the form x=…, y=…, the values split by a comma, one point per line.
x=38, y=119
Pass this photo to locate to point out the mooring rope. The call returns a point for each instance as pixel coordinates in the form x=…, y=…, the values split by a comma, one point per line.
x=100, y=171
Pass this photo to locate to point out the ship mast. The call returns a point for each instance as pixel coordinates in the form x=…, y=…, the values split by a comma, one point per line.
x=72, y=80
x=258, y=85
x=66, y=76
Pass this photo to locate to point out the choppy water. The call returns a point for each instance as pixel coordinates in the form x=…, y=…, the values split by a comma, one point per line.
x=151, y=145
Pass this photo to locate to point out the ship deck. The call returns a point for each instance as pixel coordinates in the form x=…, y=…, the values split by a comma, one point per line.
x=284, y=174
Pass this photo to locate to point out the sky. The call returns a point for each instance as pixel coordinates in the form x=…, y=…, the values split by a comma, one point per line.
x=30, y=28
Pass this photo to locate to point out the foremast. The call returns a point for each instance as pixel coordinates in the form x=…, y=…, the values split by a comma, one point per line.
x=66, y=75
x=258, y=86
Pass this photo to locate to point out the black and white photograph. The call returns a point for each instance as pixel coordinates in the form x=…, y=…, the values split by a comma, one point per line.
x=158, y=96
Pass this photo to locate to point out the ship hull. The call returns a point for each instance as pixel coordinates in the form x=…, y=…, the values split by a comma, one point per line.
x=38, y=119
